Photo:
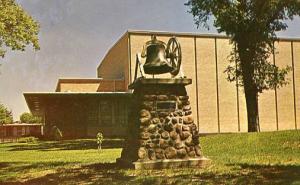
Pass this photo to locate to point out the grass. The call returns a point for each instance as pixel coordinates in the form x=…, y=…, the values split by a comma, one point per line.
x=248, y=158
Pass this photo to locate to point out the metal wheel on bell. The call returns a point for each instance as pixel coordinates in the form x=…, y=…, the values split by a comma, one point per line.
x=174, y=54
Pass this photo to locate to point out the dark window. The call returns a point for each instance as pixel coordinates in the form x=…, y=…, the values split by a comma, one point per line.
x=105, y=113
x=120, y=113
x=92, y=114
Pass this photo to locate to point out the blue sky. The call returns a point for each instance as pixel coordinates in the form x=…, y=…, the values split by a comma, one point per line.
x=76, y=34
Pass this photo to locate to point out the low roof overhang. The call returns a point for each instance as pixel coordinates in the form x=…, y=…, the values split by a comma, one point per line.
x=37, y=101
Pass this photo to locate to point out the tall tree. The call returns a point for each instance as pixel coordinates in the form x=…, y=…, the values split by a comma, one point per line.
x=5, y=115
x=29, y=118
x=17, y=28
x=251, y=26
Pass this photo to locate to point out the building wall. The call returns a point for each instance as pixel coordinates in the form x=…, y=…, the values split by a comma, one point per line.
x=79, y=87
x=82, y=117
x=112, y=86
x=206, y=85
x=285, y=96
x=296, y=65
x=115, y=64
x=108, y=116
x=19, y=130
x=90, y=85
x=219, y=106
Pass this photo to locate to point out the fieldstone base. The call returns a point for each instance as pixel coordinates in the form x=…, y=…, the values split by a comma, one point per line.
x=162, y=132
x=200, y=162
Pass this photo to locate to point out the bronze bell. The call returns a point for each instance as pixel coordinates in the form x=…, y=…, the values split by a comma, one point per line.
x=156, y=61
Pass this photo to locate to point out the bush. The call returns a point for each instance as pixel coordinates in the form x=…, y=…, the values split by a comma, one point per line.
x=28, y=140
x=29, y=118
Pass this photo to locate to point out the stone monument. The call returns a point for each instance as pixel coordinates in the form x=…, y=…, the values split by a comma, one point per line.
x=162, y=132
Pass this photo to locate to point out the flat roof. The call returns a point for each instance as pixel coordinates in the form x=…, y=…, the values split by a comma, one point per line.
x=37, y=101
x=195, y=34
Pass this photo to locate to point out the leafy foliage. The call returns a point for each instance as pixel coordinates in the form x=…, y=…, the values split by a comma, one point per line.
x=29, y=118
x=266, y=75
x=100, y=139
x=17, y=28
x=5, y=115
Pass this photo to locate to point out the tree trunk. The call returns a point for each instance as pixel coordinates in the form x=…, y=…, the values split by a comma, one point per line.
x=252, y=110
x=251, y=93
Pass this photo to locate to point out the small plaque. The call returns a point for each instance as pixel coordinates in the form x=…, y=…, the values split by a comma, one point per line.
x=166, y=105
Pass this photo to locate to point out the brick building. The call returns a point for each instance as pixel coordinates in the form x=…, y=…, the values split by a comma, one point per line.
x=20, y=130
x=82, y=106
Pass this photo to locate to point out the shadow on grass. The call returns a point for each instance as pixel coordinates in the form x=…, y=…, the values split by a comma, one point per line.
x=4, y=165
x=255, y=174
x=270, y=174
x=111, y=173
x=68, y=145
x=99, y=173
x=21, y=167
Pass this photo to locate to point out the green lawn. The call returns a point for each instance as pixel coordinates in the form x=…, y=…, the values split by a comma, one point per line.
x=259, y=158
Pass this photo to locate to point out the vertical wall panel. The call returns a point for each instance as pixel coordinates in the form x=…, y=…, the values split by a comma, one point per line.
x=267, y=108
x=243, y=111
x=207, y=94
x=227, y=90
x=267, y=111
x=297, y=80
x=285, y=99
